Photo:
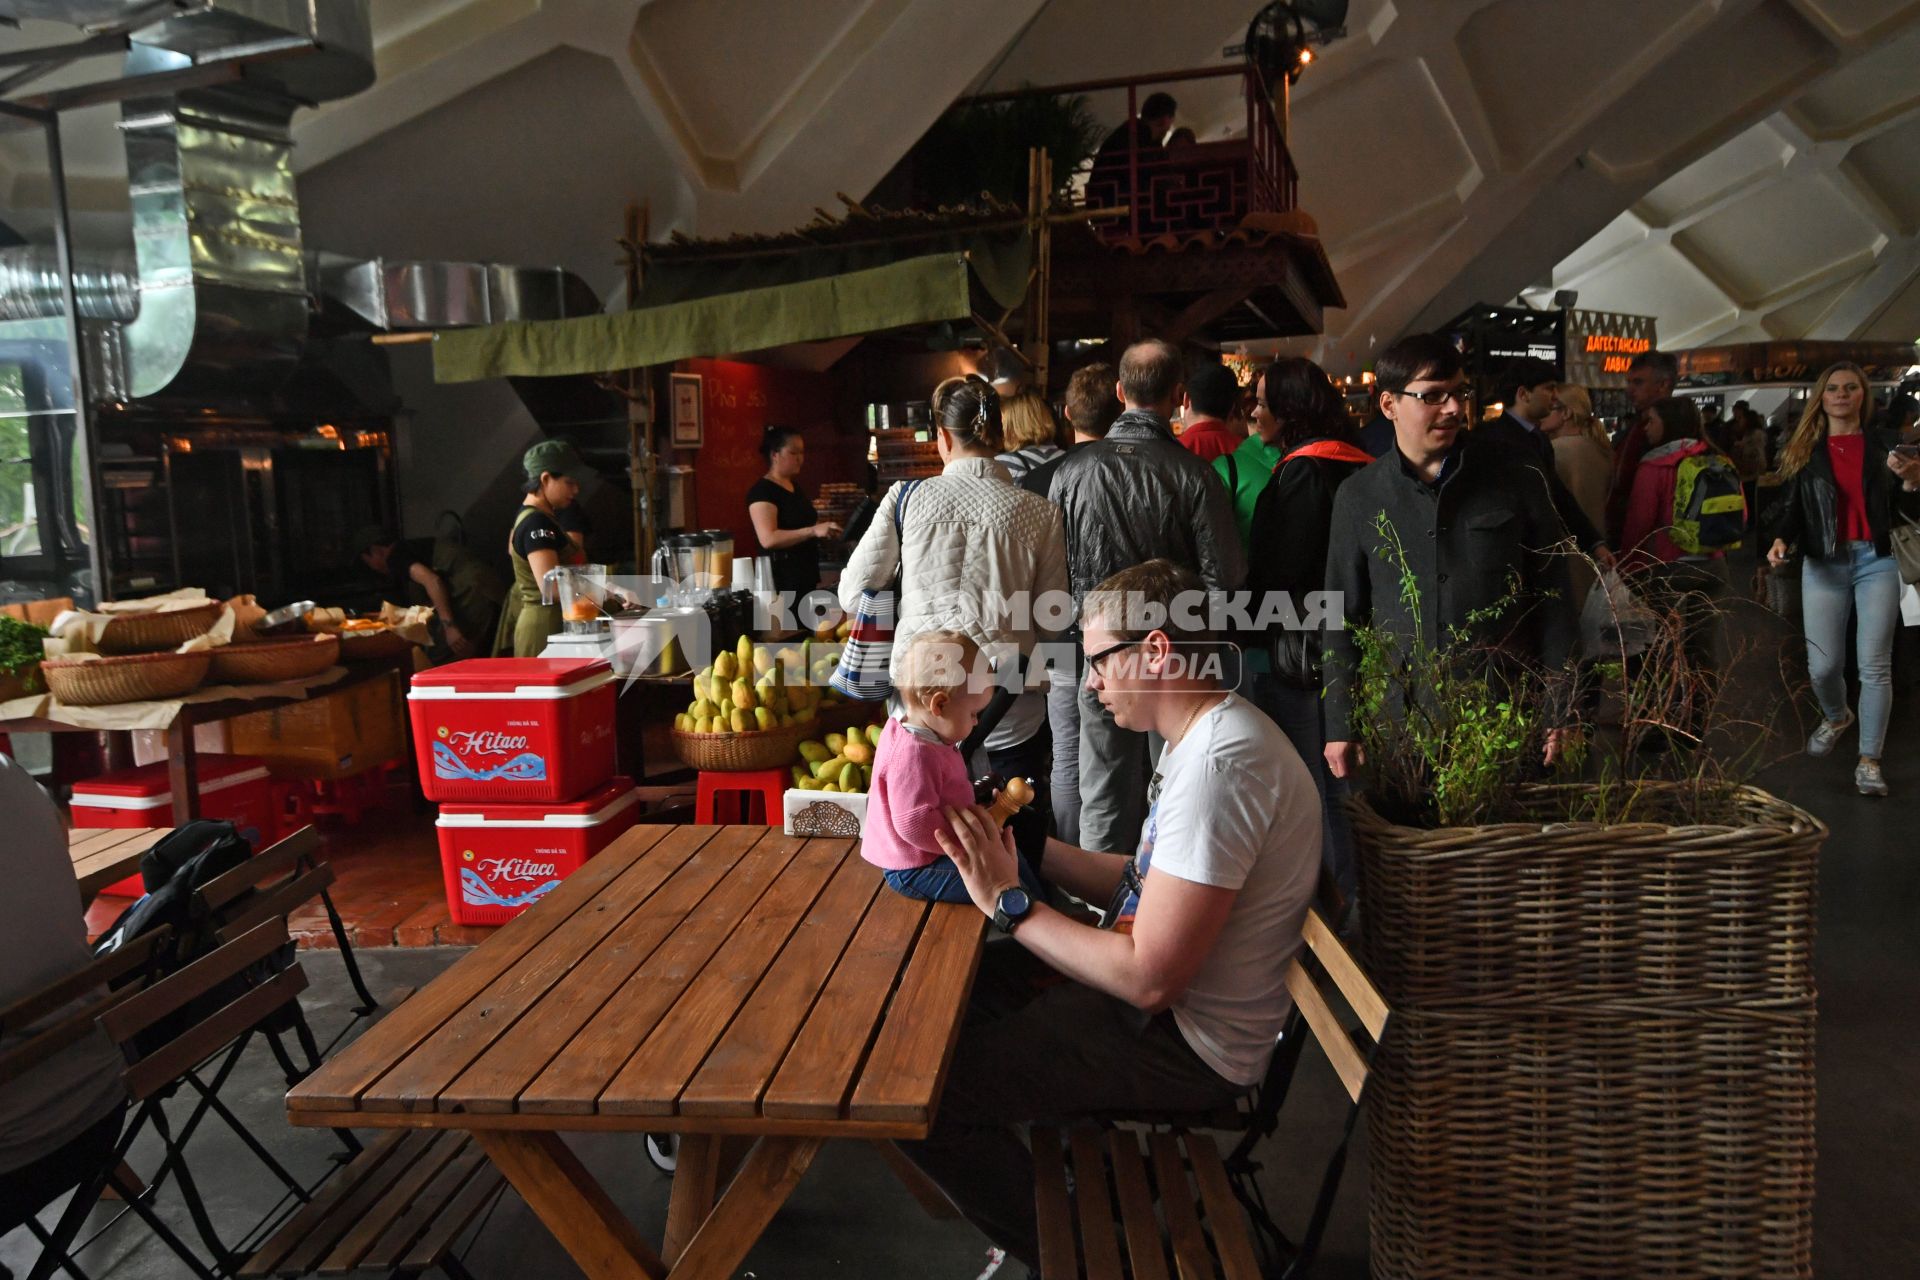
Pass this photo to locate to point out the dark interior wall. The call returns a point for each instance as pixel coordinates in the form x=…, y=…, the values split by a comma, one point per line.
x=534, y=168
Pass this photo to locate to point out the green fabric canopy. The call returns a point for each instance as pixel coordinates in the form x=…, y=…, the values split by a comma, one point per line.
x=921, y=290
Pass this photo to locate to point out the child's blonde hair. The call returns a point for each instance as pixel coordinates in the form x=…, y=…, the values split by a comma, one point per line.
x=935, y=662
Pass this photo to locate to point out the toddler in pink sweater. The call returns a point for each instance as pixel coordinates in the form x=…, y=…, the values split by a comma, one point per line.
x=918, y=770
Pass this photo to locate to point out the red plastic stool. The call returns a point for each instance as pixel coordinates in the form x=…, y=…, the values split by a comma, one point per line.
x=764, y=790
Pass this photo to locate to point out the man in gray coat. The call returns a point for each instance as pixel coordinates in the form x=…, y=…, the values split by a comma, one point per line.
x=1135, y=496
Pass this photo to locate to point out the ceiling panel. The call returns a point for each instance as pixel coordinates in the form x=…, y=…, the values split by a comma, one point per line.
x=1900, y=320
x=1880, y=83
x=1889, y=164
x=1623, y=232
x=1858, y=17
x=726, y=101
x=1531, y=60
x=1798, y=319
x=1660, y=282
x=1376, y=145
x=1757, y=152
x=1771, y=51
x=1783, y=233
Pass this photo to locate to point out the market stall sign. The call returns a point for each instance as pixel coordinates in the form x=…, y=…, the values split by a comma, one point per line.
x=1616, y=350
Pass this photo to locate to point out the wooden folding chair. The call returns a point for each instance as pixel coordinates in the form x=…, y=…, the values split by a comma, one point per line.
x=166, y=1030
x=50, y=1022
x=1204, y=1198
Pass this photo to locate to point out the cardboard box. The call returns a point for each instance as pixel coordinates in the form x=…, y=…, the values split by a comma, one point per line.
x=327, y=738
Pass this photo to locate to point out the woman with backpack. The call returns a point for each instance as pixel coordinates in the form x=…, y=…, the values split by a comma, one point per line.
x=1846, y=485
x=1674, y=556
x=1303, y=419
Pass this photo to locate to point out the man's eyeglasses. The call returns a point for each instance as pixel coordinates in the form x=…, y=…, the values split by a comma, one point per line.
x=1094, y=660
x=1438, y=396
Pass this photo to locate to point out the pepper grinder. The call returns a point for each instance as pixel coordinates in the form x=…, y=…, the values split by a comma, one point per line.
x=1009, y=800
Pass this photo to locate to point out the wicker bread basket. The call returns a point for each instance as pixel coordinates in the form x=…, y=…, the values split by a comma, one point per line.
x=742, y=752
x=373, y=646
x=265, y=661
x=154, y=632
x=136, y=677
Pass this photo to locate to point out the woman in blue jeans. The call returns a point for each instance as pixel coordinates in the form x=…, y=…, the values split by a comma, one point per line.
x=1846, y=485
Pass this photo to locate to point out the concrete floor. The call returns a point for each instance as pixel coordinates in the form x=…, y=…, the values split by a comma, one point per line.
x=850, y=1218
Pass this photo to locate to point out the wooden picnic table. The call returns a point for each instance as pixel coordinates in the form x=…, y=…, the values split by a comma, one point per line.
x=107, y=855
x=715, y=982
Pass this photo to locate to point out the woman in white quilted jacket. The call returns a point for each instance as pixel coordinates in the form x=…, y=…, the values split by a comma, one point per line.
x=976, y=553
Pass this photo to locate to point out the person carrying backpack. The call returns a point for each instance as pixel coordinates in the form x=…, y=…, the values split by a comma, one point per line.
x=1686, y=511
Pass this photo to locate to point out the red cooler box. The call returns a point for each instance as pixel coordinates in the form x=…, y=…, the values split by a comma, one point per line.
x=500, y=859
x=513, y=730
x=234, y=788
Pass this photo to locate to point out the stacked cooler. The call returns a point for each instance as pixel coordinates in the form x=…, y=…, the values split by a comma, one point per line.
x=518, y=752
x=235, y=788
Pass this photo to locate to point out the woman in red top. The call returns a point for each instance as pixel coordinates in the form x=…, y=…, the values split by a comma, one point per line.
x=1844, y=486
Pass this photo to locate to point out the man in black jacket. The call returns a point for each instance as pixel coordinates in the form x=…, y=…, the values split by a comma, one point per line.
x=1527, y=387
x=1136, y=496
x=1470, y=522
x=1091, y=408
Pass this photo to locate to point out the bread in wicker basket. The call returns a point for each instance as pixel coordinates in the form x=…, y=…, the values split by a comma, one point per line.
x=136, y=677
x=373, y=645
x=742, y=752
x=265, y=661
x=158, y=631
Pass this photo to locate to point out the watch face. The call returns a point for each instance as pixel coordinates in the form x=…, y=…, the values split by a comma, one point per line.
x=1015, y=902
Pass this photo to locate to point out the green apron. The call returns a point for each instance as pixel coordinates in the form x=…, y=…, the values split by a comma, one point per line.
x=525, y=623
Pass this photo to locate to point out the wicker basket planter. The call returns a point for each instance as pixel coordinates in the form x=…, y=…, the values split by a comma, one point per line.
x=265, y=661
x=135, y=677
x=152, y=632
x=1601, y=1058
x=742, y=752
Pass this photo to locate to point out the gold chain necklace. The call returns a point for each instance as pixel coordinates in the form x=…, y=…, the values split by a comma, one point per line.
x=1192, y=715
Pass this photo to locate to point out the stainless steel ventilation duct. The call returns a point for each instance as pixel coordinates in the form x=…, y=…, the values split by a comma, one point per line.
x=31, y=285
x=218, y=288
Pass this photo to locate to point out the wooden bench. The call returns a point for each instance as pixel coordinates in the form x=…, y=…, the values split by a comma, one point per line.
x=1172, y=1212
x=1200, y=1230
x=399, y=1208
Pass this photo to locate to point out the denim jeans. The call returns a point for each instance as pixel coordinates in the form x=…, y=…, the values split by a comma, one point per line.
x=1855, y=582
x=1298, y=713
x=939, y=881
x=1063, y=720
x=1115, y=765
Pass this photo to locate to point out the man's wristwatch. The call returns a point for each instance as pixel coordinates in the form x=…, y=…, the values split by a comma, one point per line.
x=1011, y=908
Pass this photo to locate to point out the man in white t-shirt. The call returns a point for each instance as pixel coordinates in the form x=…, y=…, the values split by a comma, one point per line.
x=1179, y=1006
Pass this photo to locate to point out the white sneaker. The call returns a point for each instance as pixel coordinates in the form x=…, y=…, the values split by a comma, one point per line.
x=1868, y=778
x=1827, y=736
